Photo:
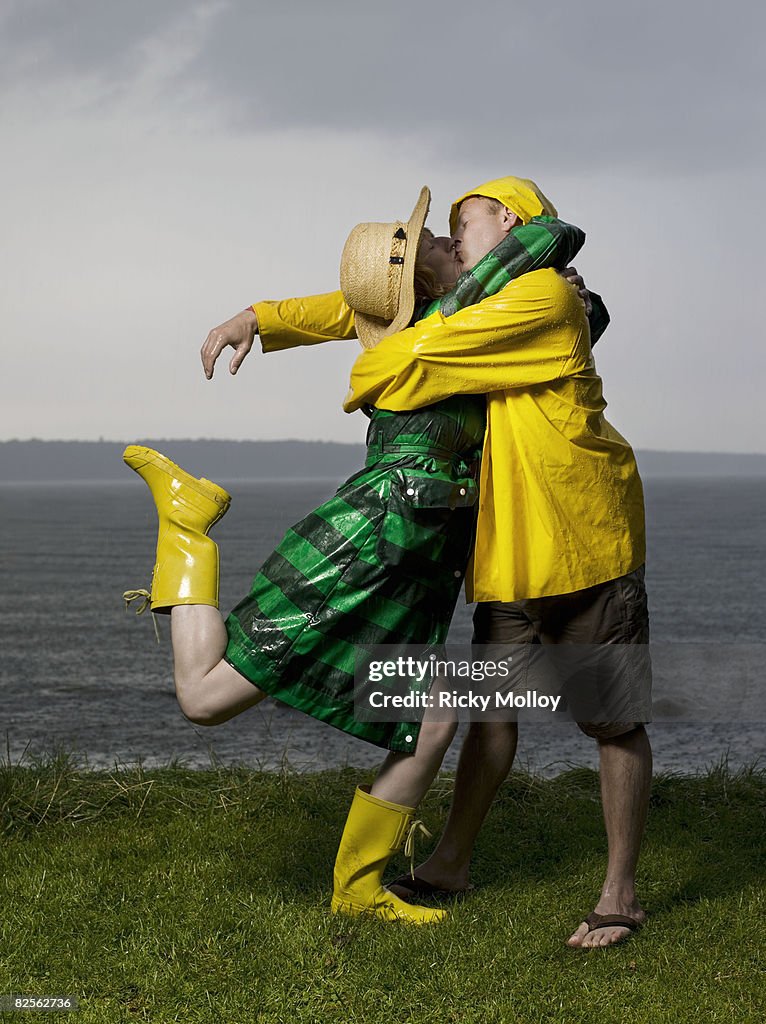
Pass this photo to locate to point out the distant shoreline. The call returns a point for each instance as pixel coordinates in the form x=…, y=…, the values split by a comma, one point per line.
x=101, y=461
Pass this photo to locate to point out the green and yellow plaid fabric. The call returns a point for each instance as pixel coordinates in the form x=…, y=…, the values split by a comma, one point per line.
x=543, y=242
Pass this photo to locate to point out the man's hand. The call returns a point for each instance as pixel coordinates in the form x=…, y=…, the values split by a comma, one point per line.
x=238, y=332
x=570, y=273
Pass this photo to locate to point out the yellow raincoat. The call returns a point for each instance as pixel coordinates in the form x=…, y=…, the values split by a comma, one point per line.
x=561, y=502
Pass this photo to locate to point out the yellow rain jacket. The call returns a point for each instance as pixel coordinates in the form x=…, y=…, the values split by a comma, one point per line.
x=561, y=502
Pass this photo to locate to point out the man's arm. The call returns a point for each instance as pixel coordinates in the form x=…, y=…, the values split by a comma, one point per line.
x=532, y=332
x=283, y=324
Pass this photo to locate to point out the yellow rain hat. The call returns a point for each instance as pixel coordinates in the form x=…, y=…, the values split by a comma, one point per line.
x=520, y=195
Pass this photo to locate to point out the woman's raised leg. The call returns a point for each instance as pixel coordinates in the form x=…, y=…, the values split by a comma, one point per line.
x=185, y=585
x=208, y=689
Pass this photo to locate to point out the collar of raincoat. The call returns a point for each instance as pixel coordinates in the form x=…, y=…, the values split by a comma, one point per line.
x=520, y=195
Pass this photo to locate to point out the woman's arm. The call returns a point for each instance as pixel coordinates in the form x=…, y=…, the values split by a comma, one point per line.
x=310, y=320
x=282, y=324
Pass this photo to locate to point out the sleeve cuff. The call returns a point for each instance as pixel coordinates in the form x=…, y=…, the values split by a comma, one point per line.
x=269, y=323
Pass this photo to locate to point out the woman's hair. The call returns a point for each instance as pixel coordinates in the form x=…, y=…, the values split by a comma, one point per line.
x=427, y=284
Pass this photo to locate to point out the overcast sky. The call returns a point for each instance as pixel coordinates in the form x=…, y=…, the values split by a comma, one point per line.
x=165, y=163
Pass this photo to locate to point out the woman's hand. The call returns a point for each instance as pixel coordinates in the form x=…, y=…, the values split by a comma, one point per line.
x=570, y=273
x=239, y=332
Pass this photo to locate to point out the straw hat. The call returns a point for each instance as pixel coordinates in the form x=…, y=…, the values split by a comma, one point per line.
x=377, y=273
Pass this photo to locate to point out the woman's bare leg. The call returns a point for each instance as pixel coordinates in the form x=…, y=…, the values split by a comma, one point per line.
x=486, y=758
x=405, y=778
x=209, y=690
x=185, y=583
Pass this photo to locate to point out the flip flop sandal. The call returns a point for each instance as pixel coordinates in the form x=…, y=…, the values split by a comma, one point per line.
x=418, y=887
x=595, y=921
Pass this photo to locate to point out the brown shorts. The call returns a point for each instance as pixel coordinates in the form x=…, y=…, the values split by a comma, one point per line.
x=609, y=613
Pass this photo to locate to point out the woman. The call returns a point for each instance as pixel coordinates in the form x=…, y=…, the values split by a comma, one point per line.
x=382, y=562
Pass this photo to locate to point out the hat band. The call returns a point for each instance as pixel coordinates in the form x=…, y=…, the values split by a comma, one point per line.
x=395, y=269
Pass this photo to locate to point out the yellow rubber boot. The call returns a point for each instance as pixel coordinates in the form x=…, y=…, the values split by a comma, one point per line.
x=186, y=568
x=375, y=829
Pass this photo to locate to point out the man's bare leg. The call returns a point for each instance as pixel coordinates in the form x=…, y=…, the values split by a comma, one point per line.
x=486, y=758
x=626, y=774
x=209, y=690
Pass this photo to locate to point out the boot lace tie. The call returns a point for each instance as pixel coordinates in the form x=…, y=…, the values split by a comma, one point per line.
x=416, y=827
x=146, y=597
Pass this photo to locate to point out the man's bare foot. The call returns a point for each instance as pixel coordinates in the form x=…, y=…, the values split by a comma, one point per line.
x=602, y=927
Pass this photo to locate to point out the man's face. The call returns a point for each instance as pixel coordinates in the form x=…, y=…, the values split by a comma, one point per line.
x=480, y=227
x=439, y=255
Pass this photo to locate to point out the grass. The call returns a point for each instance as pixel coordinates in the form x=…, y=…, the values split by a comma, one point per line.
x=180, y=895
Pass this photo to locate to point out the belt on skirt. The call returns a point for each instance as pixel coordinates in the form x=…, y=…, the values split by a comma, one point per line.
x=380, y=447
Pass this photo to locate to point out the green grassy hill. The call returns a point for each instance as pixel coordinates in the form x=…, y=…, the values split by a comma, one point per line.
x=177, y=895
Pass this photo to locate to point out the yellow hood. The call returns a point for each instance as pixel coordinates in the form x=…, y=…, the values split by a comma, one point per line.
x=518, y=194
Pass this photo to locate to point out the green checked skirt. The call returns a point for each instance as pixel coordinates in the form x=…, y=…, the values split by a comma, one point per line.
x=381, y=562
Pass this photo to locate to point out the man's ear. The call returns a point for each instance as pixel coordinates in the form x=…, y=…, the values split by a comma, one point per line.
x=510, y=219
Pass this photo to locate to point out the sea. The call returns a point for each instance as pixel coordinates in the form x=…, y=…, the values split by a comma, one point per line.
x=80, y=674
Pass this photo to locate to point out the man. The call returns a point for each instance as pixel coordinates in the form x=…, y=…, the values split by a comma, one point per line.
x=560, y=538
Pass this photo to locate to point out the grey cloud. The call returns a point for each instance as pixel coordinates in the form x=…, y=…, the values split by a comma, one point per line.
x=598, y=84
x=82, y=35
